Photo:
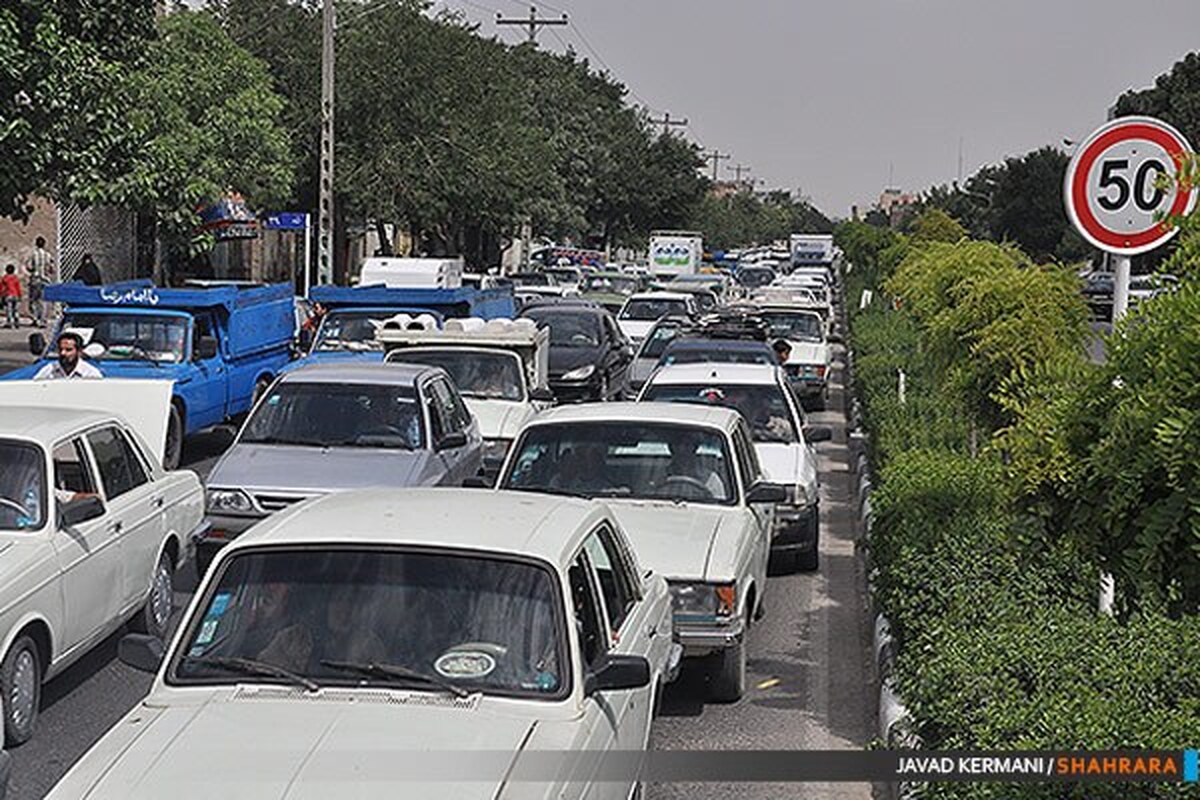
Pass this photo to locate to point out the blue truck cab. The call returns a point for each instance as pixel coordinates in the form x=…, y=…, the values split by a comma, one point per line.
x=348, y=331
x=221, y=345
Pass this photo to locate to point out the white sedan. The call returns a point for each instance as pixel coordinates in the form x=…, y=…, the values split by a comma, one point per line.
x=353, y=644
x=92, y=529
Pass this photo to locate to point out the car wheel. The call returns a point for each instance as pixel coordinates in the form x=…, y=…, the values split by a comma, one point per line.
x=155, y=615
x=173, y=452
x=810, y=560
x=727, y=675
x=21, y=683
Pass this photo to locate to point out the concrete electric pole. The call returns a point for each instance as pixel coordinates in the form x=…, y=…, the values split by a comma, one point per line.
x=716, y=157
x=737, y=170
x=325, y=225
x=534, y=23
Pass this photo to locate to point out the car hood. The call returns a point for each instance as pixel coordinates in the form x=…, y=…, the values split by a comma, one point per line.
x=641, y=370
x=565, y=359
x=317, y=469
x=676, y=541
x=335, y=357
x=305, y=747
x=809, y=353
x=499, y=419
x=636, y=328
x=787, y=464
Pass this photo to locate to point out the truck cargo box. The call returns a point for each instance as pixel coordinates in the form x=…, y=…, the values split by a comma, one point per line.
x=450, y=303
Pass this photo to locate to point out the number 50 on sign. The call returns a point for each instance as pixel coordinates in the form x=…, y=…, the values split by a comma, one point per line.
x=1114, y=191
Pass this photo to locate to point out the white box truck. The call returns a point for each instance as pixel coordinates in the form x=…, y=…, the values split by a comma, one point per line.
x=812, y=249
x=412, y=273
x=676, y=252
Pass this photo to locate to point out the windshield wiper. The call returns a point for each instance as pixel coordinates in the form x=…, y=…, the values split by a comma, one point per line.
x=249, y=666
x=393, y=671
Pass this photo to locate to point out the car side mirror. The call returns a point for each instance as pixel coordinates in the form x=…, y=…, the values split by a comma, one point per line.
x=206, y=348
x=541, y=394
x=766, y=493
x=617, y=672
x=74, y=512
x=817, y=433
x=37, y=344
x=452, y=441
x=141, y=651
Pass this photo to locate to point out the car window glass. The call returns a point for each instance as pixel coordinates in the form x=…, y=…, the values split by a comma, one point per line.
x=438, y=424
x=613, y=574
x=587, y=612
x=457, y=408
x=119, y=468
x=72, y=472
x=746, y=455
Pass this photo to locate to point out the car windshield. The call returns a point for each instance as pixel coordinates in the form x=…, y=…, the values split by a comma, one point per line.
x=22, y=487
x=412, y=619
x=484, y=375
x=569, y=329
x=610, y=284
x=337, y=415
x=764, y=407
x=788, y=325
x=133, y=337
x=755, y=278
x=718, y=353
x=647, y=309
x=345, y=330
x=530, y=279
x=657, y=340
x=567, y=276
x=648, y=461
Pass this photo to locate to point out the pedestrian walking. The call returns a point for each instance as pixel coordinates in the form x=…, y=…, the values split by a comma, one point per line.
x=39, y=271
x=88, y=272
x=70, y=363
x=10, y=290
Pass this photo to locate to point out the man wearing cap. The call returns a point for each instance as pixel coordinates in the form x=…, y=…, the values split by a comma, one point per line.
x=70, y=363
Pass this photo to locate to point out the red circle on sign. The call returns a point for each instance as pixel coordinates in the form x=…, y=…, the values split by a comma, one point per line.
x=1090, y=226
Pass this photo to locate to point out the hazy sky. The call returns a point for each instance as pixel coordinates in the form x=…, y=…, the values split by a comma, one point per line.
x=828, y=95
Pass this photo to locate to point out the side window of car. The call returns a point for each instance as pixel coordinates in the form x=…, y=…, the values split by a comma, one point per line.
x=588, y=621
x=616, y=583
x=747, y=460
x=438, y=423
x=458, y=409
x=615, y=337
x=72, y=472
x=120, y=469
x=201, y=328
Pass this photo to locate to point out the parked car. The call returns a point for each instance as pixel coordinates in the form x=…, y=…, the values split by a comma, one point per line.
x=1145, y=287
x=783, y=442
x=92, y=527
x=645, y=360
x=641, y=311
x=501, y=369
x=359, y=630
x=687, y=487
x=589, y=355
x=332, y=427
x=1098, y=289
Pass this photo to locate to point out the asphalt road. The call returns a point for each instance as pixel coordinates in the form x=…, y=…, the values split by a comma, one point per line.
x=809, y=679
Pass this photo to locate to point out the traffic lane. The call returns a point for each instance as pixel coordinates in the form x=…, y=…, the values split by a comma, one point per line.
x=809, y=675
x=83, y=702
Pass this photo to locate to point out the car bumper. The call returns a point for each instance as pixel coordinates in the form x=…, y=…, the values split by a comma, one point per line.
x=795, y=528
x=575, y=391
x=808, y=387
x=220, y=529
x=701, y=639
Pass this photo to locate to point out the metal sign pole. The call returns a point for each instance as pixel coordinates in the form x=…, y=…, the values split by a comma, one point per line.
x=307, y=252
x=1121, y=267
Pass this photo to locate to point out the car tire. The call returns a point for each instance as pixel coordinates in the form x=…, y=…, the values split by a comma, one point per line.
x=155, y=615
x=173, y=451
x=21, y=684
x=727, y=673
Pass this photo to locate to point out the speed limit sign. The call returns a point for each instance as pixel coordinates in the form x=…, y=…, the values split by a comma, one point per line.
x=1113, y=189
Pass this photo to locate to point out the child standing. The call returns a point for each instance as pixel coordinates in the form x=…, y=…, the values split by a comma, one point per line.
x=10, y=289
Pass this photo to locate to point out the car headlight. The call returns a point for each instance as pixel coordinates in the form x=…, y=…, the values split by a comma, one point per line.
x=496, y=449
x=229, y=500
x=581, y=374
x=704, y=599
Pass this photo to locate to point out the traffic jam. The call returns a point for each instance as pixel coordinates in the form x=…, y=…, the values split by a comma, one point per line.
x=460, y=512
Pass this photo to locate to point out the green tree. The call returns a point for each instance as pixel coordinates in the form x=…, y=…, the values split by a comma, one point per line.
x=206, y=120
x=63, y=102
x=935, y=225
x=1174, y=97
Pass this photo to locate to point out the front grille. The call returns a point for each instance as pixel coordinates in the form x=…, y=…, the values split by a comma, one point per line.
x=277, y=502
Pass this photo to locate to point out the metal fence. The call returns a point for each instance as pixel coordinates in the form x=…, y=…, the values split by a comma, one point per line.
x=108, y=234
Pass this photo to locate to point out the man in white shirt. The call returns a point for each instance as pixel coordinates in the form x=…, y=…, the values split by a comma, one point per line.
x=39, y=271
x=70, y=363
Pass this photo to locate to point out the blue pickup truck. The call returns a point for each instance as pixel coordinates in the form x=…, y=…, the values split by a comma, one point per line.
x=348, y=331
x=221, y=345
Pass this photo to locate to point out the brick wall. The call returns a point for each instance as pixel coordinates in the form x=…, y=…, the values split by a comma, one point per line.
x=16, y=238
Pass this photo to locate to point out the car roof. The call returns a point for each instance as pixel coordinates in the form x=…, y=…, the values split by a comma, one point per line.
x=681, y=296
x=710, y=373
x=677, y=413
x=550, y=528
x=576, y=305
x=390, y=373
x=47, y=425
x=688, y=341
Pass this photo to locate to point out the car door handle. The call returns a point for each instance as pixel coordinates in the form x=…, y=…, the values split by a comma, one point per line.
x=158, y=502
x=117, y=526
x=651, y=632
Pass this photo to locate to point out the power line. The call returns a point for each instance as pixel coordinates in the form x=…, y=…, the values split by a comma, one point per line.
x=534, y=22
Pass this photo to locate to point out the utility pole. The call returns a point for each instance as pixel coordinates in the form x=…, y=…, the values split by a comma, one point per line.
x=325, y=230
x=737, y=170
x=668, y=123
x=716, y=157
x=534, y=23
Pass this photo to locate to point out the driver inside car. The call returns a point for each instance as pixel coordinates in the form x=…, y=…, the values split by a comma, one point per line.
x=687, y=464
x=584, y=469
